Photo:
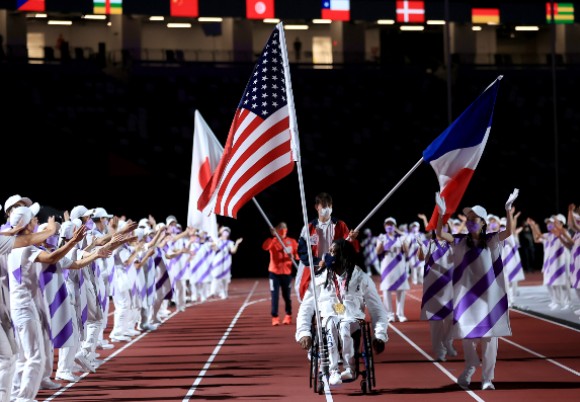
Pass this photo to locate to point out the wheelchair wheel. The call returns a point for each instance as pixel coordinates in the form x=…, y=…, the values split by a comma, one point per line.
x=368, y=381
x=314, y=364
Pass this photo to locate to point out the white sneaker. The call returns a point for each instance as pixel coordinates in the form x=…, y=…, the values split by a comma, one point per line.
x=105, y=346
x=465, y=378
x=335, y=378
x=66, y=376
x=402, y=318
x=147, y=327
x=577, y=312
x=120, y=338
x=391, y=318
x=487, y=385
x=84, y=363
x=347, y=374
x=47, y=383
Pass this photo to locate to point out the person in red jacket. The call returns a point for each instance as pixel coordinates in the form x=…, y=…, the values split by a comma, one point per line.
x=280, y=269
x=322, y=231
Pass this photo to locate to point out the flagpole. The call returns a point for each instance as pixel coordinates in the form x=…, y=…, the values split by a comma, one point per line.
x=386, y=197
x=289, y=253
x=296, y=149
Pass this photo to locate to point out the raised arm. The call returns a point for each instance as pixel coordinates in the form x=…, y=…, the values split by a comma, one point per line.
x=440, y=201
x=509, y=227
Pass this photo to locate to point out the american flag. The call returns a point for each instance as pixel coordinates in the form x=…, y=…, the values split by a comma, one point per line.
x=259, y=148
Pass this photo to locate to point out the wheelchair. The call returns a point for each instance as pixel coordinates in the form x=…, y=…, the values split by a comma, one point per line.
x=363, y=360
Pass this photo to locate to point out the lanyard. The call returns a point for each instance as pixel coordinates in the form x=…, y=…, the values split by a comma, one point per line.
x=337, y=287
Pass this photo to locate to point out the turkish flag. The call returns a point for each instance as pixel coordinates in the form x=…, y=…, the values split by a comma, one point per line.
x=184, y=8
x=259, y=9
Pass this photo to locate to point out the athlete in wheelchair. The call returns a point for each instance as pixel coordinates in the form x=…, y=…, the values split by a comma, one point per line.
x=345, y=293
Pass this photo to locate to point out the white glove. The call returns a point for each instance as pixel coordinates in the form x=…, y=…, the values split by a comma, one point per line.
x=440, y=201
x=511, y=199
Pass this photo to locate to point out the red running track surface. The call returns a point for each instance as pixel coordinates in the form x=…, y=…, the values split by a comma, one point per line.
x=228, y=350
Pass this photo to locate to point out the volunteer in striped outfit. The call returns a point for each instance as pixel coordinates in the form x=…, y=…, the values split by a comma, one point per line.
x=574, y=244
x=412, y=242
x=394, y=276
x=221, y=269
x=369, y=250
x=437, y=301
x=480, y=305
x=512, y=261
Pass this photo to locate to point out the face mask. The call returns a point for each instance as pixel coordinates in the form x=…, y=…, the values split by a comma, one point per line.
x=225, y=234
x=415, y=229
x=389, y=229
x=550, y=227
x=52, y=241
x=325, y=212
x=283, y=232
x=174, y=230
x=105, y=222
x=473, y=227
x=90, y=224
x=493, y=226
x=329, y=260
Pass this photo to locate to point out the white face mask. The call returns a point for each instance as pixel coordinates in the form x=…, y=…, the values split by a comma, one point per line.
x=325, y=212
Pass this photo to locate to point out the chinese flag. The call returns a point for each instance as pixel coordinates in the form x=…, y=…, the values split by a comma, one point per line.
x=259, y=9
x=184, y=8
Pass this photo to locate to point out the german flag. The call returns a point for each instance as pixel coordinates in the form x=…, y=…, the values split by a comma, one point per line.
x=485, y=15
x=563, y=13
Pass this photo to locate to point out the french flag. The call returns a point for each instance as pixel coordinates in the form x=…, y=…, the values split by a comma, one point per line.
x=455, y=154
x=336, y=10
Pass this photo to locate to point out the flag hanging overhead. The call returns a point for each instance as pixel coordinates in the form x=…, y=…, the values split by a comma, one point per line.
x=410, y=11
x=336, y=10
x=206, y=155
x=259, y=9
x=485, y=16
x=184, y=8
x=455, y=154
x=563, y=13
x=260, y=149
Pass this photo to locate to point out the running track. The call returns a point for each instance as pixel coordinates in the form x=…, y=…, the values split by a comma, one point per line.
x=227, y=349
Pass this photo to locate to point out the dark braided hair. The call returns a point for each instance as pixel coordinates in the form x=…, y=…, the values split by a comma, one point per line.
x=345, y=258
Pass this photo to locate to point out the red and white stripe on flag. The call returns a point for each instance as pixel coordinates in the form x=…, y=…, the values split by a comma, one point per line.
x=259, y=9
x=410, y=11
x=259, y=149
x=336, y=10
x=207, y=152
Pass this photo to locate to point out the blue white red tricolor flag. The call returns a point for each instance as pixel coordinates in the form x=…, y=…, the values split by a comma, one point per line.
x=455, y=154
x=261, y=148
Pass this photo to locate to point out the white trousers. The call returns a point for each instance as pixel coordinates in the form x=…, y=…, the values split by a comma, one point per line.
x=339, y=333
x=387, y=299
x=32, y=355
x=8, y=355
x=441, y=340
x=122, y=300
x=488, y=355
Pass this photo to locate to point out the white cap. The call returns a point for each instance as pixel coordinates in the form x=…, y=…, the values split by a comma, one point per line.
x=34, y=208
x=80, y=211
x=414, y=223
x=170, y=219
x=503, y=221
x=160, y=225
x=477, y=210
x=550, y=219
x=147, y=231
x=455, y=221
x=492, y=216
x=13, y=199
x=224, y=228
x=561, y=218
x=43, y=226
x=139, y=232
x=101, y=213
x=77, y=222
x=390, y=219
x=143, y=223
x=20, y=216
x=67, y=230
x=121, y=224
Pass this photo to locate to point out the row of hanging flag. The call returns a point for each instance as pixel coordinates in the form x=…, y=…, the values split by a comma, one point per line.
x=406, y=11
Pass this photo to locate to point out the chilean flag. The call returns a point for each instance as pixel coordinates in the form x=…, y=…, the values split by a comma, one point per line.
x=207, y=152
x=336, y=10
x=455, y=154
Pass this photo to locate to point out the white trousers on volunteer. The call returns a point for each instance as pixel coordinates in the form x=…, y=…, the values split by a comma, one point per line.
x=32, y=356
x=8, y=355
x=488, y=356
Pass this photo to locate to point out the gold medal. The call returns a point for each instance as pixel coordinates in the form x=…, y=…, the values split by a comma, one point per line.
x=338, y=308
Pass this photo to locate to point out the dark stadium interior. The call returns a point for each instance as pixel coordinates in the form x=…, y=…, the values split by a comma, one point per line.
x=120, y=136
